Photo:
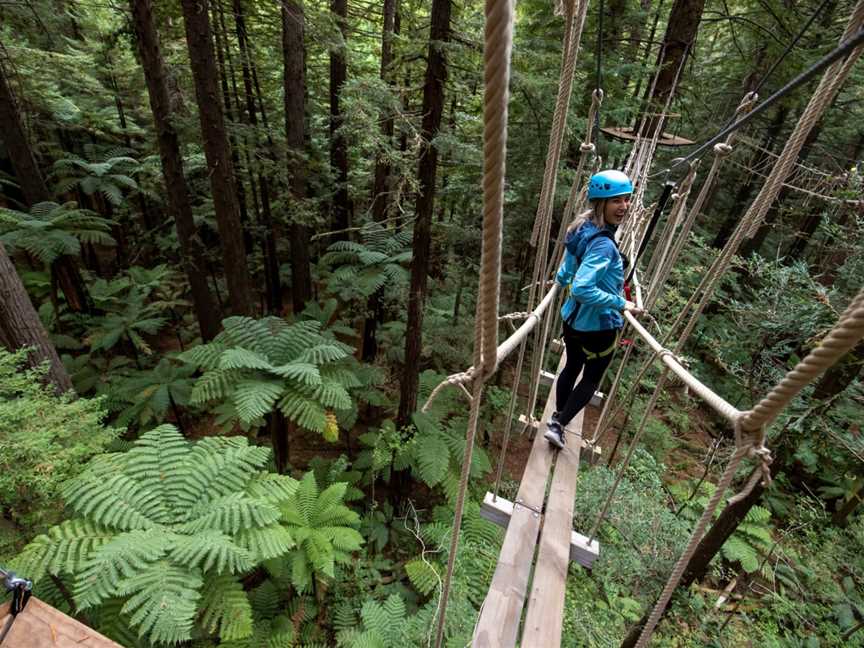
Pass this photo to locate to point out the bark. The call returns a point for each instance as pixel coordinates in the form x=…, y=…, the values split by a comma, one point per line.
x=232, y=108
x=646, y=53
x=279, y=428
x=20, y=326
x=192, y=251
x=216, y=150
x=678, y=41
x=294, y=60
x=433, y=105
x=18, y=147
x=380, y=193
x=265, y=216
x=341, y=216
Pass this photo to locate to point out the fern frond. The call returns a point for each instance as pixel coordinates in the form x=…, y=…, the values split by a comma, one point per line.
x=255, y=398
x=62, y=549
x=225, y=608
x=322, y=353
x=124, y=556
x=303, y=372
x=422, y=575
x=119, y=502
x=272, y=488
x=211, y=550
x=267, y=542
x=230, y=514
x=431, y=458
x=163, y=602
x=243, y=359
x=214, y=385
x=304, y=411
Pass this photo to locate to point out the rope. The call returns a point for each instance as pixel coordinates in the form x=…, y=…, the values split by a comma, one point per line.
x=846, y=47
x=683, y=561
x=845, y=335
x=575, y=20
x=497, y=49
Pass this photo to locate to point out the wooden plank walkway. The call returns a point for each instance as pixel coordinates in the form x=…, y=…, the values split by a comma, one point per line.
x=545, y=616
x=498, y=626
x=41, y=626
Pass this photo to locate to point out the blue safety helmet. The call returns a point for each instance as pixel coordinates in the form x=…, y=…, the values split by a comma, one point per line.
x=608, y=184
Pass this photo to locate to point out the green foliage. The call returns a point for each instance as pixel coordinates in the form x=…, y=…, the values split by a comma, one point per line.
x=324, y=530
x=50, y=230
x=44, y=440
x=108, y=177
x=377, y=262
x=257, y=366
x=383, y=625
x=168, y=527
x=151, y=393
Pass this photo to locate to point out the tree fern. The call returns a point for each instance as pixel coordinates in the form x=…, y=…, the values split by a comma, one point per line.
x=324, y=529
x=256, y=367
x=167, y=527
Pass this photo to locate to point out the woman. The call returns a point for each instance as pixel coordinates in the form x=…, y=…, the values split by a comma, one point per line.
x=593, y=275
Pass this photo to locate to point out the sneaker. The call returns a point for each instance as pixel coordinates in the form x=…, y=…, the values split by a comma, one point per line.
x=555, y=433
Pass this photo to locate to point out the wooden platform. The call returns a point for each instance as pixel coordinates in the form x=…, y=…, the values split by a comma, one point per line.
x=628, y=135
x=41, y=626
x=501, y=615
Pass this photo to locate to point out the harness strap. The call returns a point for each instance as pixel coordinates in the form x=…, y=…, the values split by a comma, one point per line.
x=592, y=355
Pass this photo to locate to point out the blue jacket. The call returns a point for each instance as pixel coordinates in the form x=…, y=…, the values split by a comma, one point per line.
x=596, y=284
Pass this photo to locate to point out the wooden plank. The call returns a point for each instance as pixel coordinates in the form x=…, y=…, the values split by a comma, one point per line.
x=547, y=378
x=498, y=626
x=498, y=511
x=545, y=617
x=41, y=626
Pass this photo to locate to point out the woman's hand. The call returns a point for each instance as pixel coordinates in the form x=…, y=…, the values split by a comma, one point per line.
x=630, y=307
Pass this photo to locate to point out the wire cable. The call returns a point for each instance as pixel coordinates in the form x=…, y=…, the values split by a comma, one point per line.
x=839, y=52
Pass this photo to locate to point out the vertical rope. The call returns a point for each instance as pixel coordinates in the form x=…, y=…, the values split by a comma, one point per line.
x=497, y=50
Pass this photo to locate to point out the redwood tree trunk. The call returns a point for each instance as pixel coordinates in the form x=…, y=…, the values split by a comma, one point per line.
x=216, y=149
x=433, y=106
x=341, y=217
x=20, y=325
x=380, y=192
x=680, y=34
x=294, y=58
x=268, y=242
x=177, y=192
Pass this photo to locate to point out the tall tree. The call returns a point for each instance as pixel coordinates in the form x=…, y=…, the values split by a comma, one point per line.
x=433, y=107
x=678, y=41
x=341, y=219
x=20, y=325
x=268, y=240
x=202, y=58
x=380, y=192
x=177, y=191
x=294, y=61
x=65, y=267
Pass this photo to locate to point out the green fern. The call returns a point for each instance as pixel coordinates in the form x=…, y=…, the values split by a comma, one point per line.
x=323, y=528
x=254, y=367
x=168, y=526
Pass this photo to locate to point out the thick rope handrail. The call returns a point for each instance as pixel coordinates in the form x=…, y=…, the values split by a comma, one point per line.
x=841, y=339
x=497, y=49
x=504, y=350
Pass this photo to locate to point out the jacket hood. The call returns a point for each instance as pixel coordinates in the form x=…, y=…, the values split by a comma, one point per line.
x=577, y=241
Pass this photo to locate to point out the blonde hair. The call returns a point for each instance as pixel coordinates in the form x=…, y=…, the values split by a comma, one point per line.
x=595, y=215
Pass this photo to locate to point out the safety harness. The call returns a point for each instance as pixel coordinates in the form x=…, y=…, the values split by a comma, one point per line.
x=571, y=246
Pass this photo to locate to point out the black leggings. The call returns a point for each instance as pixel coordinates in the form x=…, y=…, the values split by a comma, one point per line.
x=569, y=401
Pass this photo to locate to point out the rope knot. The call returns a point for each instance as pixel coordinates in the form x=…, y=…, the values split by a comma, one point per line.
x=753, y=443
x=722, y=149
x=597, y=95
x=747, y=103
x=587, y=147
